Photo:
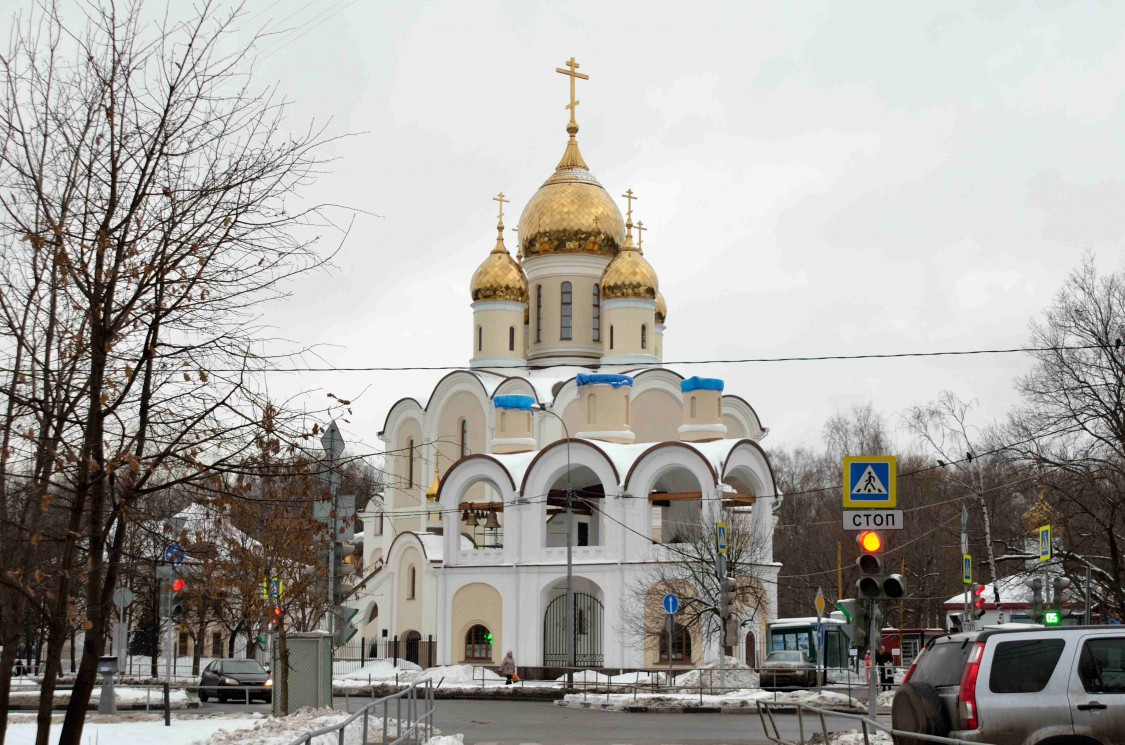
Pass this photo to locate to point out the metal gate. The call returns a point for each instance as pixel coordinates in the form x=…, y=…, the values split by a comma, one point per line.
x=587, y=632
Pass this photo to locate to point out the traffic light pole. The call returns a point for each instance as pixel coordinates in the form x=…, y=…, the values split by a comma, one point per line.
x=721, y=565
x=168, y=652
x=873, y=671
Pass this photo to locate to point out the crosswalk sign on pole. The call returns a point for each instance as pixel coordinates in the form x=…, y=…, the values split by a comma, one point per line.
x=1045, y=552
x=967, y=569
x=870, y=481
x=721, y=537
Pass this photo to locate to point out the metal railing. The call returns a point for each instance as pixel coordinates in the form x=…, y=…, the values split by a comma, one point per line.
x=418, y=700
x=866, y=724
x=245, y=692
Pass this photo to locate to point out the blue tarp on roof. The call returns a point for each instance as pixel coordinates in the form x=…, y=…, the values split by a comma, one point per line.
x=701, y=384
x=617, y=381
x=522, y=403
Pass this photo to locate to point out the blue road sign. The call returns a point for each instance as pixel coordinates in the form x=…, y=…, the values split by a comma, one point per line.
x=721, y=537
x=671, y=603
x=1045, y=543
x=174, y=554
x=967, y=569
x=821, y=636
x=870, y=481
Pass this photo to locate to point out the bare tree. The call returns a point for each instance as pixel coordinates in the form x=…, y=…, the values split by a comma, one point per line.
x=144, y=211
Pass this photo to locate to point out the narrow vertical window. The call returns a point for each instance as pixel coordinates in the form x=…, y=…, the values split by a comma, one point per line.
x=694, y=408
x=566, y=311
x=503, y=421
x=592, y=409
x=413, y=583
x=480, y=338
x=538, y=313
x=511, y=338
x=597, y=313
x=611, y=337
x=410, y=462
x=644, y=336
x=464, y=437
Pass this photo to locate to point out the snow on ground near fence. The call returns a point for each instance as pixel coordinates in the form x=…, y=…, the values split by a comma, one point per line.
x=122, y=694
x=855, y=737
x=619, y=701
x=282, y=731
x=131, y=729
x=383, y=671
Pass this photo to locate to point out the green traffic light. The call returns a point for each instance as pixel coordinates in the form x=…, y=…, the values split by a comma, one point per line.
x=488, y=638
x=1052, y=618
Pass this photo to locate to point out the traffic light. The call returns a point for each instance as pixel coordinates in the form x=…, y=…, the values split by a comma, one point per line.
x=869, y=586
x=1052, y=618
x=345, y=563
x=176, y=603
x=165, y=597
x=978, y=601
x=275, y=617
x=488, y=638
x=1036, y=599
x=342, y=630
x=862, y=625
x=847, y=608
x=726, y=592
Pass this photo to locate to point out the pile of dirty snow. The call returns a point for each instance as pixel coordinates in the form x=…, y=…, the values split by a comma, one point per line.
x=738, y=675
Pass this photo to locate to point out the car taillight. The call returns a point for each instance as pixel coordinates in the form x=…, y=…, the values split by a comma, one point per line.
x=970, y=717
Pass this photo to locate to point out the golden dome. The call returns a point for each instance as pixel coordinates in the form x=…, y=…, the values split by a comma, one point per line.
x=499, y=277
x=571, y=212
x=629, y=275
x=661, y=307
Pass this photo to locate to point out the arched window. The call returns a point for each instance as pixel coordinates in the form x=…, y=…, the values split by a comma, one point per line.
x=410, y=462
x=538, y=313
x=480, y=338
x=644, y=336
x=681, y=645
x=611, y=337
x=412, y=587
x=592, y=409
x=597, y=313
x=503, y=420
x=566, y=311
x=476, y=643
x=464, y=437
x=511, y=338
x=694, y=407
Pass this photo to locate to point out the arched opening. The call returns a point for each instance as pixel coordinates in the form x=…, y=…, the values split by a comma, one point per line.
x=566, y=312
x=538, y=313
x=681, y=646
x=751, y=650
x=511, y=338
x=597, y=314
x=589, y=631
x=592, y=409
x=412, y=647
x=677, y=503
x=694, y=406
x=587, y=498
x=478, y=643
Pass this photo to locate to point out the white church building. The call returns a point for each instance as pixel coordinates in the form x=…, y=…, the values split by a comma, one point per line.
x=565, y=393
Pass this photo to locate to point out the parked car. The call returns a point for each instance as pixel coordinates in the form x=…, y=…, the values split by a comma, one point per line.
x=223, y=679
x=787, y=668
x=1024, y=686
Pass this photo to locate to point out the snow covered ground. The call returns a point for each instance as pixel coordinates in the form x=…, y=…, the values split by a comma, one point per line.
x=656, y=701
x=124, y=695
x=254, y=729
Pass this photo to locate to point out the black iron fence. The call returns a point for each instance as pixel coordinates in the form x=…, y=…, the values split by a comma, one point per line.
x=359, y=651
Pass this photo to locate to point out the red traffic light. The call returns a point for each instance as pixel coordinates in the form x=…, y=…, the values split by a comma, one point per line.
x=178, y=585
x=870, y=541
x=979, y=592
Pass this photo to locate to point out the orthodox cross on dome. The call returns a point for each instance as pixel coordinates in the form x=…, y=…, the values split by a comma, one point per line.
x=641, y=235
x=499, y=198
x=628, y=195
x=573, y=74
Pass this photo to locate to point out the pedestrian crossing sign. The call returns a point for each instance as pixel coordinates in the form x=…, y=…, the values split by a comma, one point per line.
x=870, y=481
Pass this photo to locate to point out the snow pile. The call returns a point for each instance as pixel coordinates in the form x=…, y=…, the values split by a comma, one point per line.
x=588, y=677
x=738, y=675
x=672, y=701
x=453, y=675
x=377, y=670
x=886, y=698
x=127, y=728
x=283, y=730
x=638, y=679
x=855, y=737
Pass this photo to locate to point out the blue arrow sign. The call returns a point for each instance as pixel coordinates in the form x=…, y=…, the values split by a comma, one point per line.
x=671, y=603
x=174, y=554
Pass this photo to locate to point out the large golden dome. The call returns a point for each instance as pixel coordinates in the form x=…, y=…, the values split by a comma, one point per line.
x=499, y=277
x=629, y=275
x=571, y=212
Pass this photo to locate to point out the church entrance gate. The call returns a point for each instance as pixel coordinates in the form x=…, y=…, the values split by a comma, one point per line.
x=588, y=614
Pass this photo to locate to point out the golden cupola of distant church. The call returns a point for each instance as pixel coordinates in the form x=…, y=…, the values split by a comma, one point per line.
x=630, y=275
x=499, y=277
x=571, y=212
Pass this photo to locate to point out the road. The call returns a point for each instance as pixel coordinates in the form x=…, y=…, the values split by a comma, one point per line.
x=525, y=722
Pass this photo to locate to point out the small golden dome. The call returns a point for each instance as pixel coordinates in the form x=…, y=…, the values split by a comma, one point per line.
x=435, y=485
x=499, y=277
x=1041, y=513
x=571, y=213
x=661, y=307
x=629, y=275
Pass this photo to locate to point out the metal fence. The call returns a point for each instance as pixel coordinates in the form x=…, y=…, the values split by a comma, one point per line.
x=359, y=651
x=866, y=724
x=416, y=702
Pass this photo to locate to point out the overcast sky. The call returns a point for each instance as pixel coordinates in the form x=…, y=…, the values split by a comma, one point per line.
x=832, y=178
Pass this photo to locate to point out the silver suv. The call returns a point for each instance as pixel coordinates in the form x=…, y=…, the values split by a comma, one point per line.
x=1053, y=686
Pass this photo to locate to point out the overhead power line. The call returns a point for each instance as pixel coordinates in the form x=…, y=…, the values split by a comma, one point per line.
x=738, y=361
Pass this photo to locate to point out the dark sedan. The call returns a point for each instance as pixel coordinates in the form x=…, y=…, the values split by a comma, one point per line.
x=787, y=668
x=236, y=680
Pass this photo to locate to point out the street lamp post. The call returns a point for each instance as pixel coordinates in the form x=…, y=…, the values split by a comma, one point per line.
x=570, y=659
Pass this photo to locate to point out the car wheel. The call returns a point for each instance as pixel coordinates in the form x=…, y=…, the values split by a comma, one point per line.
x=918, y=708
x=203, y=696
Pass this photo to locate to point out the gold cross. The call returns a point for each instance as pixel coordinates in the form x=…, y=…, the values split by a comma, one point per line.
x=502, y=201
x=641, y=234
x=629, y=196
x=572, y=73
